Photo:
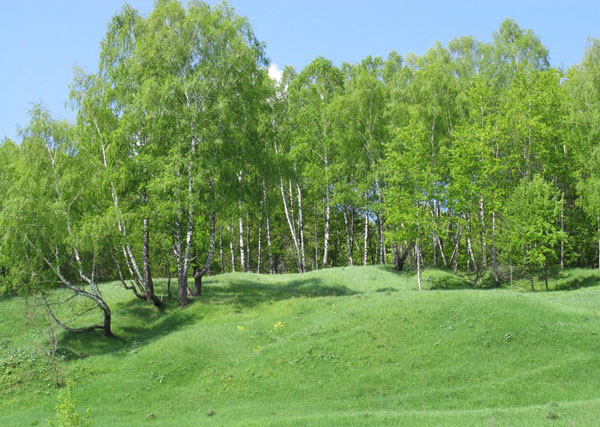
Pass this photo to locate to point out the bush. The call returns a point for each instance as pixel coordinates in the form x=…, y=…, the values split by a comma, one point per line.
x=442, y=280
x=66, y=414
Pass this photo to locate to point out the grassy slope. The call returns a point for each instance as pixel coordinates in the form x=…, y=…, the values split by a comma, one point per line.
x=357, y=346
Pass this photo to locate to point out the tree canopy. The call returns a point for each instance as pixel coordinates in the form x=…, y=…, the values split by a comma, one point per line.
x=186, y=158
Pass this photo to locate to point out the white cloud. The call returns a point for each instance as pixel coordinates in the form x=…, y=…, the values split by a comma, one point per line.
x=275, y=72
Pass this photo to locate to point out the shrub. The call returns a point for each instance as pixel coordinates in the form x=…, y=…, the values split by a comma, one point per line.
x=66, y=413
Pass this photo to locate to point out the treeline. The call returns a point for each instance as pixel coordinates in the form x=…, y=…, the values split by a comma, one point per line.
x=187, y=159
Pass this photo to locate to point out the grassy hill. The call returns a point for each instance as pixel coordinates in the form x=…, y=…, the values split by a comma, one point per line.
x=346, y=346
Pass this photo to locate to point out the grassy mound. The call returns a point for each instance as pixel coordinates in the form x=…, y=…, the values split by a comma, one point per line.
x=346, y=346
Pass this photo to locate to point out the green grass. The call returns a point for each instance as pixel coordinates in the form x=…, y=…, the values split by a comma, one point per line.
x=352, y=346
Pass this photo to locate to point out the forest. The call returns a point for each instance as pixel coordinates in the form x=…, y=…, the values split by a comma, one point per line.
x=186, y=159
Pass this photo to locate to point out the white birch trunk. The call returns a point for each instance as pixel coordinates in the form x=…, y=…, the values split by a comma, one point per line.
x=259, y=259
x=121, y=226
x=494, y=256
x=326, y=236
x=291, y=226
x=268, y=230
x=366, y=239
x=232, y=249
x=348, y=242
x=418, y=260
x=241, y=236
x=471, y=254
x=221, y=257
x=316, y=235
x=562, y=229
x=248, y=253
x=301, y=227
x=381, y=239
x=483, y=238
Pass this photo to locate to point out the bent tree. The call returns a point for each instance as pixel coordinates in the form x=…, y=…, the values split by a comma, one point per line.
x=54, y=235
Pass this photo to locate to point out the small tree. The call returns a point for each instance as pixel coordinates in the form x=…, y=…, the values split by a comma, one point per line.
x=66, y=412
x=530, y=235
x=50, y=232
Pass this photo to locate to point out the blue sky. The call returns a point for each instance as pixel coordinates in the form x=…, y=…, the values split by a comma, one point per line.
x=43, y=39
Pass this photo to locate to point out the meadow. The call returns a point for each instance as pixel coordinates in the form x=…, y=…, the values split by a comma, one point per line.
x=342, y=346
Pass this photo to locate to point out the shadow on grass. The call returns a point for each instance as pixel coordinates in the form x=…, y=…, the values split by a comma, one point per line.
x=572, y=283
x=7, y=296
x=134, y=325
x=387, y=290
x=247, y=293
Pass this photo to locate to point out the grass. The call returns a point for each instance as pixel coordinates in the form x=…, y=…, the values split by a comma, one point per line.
x=345, y=346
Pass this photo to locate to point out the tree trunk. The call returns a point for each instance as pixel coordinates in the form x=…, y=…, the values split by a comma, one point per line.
x=381, y=239
x=484, y=261
x=326, y=235
x=106, y=324
x=243, y=266
x=455, y=260
x=562, y=229
x=232, y=249
x=221, y=257
x=366, y=238
x=200, y=272
x=169, y=295
x=146, y=250
x=442, y=253
x=149, y=294
x=248, y=253
x=454, y=257
x=197, y=283
x=352, y=231
x=494, y=256
x=182, y=286
x=418, y=260
x=301, y=227
x=291, y=224
x=177, y=248
x=434, y=244
x=271, y=261
x=121, y=226
x=401, y=258
x=471, y=254
x=348, y=241
x=316, y=235
x=268, y=229
x=94, y=294
x=241, y=235
x=183, y=263
x=259, y=258
x=104, y=307
x=146, y=244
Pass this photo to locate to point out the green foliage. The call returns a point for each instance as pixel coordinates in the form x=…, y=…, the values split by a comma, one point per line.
x=181, y=122
x=530, y=234
x=66, y=412
x=475, y=157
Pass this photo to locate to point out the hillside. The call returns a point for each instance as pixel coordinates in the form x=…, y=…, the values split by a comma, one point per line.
x=346, y=346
